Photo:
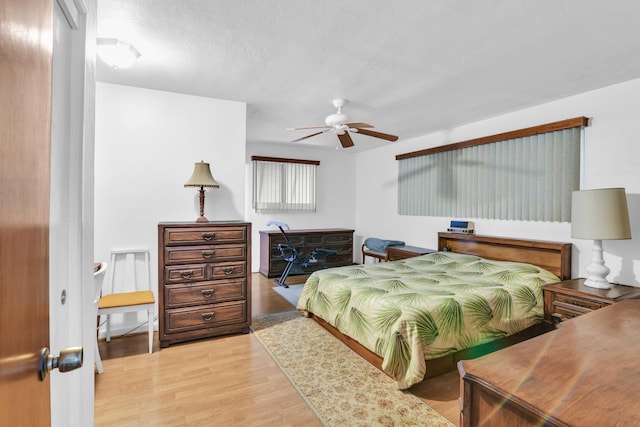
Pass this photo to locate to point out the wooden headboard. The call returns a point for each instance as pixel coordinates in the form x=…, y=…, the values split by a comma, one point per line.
x=552, y=256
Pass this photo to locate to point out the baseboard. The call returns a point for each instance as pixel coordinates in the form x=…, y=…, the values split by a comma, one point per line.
x=125, y=329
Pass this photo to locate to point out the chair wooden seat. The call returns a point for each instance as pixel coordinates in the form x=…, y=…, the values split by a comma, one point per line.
x=126, y=299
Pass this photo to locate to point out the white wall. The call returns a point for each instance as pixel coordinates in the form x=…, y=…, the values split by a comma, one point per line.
x=335, y=198
x=146, y=144
x=612, y=151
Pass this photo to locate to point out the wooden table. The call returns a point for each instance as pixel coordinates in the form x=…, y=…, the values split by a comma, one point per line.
x=583, y=374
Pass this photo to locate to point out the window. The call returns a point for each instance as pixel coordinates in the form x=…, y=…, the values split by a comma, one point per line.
x=527, y=175
x=284, y=185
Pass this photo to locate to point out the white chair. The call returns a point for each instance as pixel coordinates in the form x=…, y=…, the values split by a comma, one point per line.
x=98, y=278
x=140, y=298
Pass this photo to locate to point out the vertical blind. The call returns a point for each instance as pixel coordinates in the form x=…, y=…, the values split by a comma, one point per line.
x=528, y=178
x=284, y=185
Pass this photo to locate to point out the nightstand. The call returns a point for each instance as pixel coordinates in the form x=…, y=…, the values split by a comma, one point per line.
x=395, y=253
x=570, y=298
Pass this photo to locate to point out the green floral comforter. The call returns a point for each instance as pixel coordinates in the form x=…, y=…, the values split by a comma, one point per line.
x=426, y=307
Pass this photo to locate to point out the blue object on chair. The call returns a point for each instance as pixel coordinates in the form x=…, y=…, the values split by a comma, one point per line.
x=295, y=263
x=380, y=245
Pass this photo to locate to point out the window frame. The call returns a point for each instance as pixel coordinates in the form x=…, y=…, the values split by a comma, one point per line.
x=290, y=198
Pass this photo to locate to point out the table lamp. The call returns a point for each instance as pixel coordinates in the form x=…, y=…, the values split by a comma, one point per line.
x=599, y=215
x=201, y=177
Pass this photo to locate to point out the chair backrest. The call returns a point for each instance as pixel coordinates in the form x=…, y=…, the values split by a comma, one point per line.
x=130, y=271
x=98, y=279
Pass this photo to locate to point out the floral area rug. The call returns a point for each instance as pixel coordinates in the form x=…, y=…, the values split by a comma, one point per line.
x=340, y=387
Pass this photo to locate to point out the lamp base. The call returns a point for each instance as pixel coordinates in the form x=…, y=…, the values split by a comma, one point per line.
x=597, y=272
x=201, y=218
x=597, y=283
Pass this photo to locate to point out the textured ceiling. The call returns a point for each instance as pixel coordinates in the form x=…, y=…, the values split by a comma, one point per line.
x=408, y=67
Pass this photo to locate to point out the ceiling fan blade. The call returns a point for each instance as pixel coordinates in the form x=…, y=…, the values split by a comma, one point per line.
x=380, y=135
x=309, y=136
x=345, y=140
x=358, y=125
x=309, y=127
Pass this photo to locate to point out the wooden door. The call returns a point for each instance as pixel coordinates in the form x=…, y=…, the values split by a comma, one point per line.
x=25, y=123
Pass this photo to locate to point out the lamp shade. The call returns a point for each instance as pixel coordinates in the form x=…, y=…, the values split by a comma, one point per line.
x=600, y=214
x=201, y=176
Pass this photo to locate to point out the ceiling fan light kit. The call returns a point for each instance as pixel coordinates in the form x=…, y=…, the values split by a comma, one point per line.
x=339, y=124
x=338, y=117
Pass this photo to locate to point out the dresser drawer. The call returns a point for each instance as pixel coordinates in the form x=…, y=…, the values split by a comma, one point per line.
x=185, y=273
x=277, y=264
x=337, y=239
x=578, y=303
x=343, y=251
x=190, y=254
x=227, y=270
x=213, y=315
x=295, y=240
x=198, y=272
x=275, y=251
x=320, y=240
x=565, y=312
x=340, y=260
x=181, y=295
x=565, y=307
x=313, y=239
x=204, y=235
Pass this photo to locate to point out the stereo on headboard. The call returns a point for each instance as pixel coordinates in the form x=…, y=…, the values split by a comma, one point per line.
x=464, y=227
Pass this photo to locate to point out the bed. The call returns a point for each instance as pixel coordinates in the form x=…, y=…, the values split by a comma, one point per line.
x=415, y=318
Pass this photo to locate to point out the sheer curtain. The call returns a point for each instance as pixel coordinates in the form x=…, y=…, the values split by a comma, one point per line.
x=284, y=186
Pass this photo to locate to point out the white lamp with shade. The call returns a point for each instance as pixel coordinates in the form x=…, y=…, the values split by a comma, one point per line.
x=598, y=215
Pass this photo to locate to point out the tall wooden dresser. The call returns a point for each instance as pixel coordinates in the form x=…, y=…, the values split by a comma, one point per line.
x=204, y=279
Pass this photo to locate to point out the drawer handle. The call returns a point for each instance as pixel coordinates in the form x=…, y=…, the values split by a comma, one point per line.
x=207, y=316
x=186, y=274
x=207, y=293
x=227, y=270
x=208, y=254
x=208, y=236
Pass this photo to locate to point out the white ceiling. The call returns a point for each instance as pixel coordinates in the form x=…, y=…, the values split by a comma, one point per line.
x=408, y=67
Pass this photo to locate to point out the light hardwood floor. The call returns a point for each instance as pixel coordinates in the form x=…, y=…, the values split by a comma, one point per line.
x=229, y=380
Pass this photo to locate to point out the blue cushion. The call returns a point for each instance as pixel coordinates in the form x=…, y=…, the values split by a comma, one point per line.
x=380, y=245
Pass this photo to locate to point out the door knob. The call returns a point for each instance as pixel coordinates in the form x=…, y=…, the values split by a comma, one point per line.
x=68, y=360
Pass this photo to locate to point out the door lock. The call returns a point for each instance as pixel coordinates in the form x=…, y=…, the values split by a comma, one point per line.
x=68, y=360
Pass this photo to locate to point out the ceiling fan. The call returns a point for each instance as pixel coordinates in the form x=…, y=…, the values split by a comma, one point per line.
x=339, y=124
